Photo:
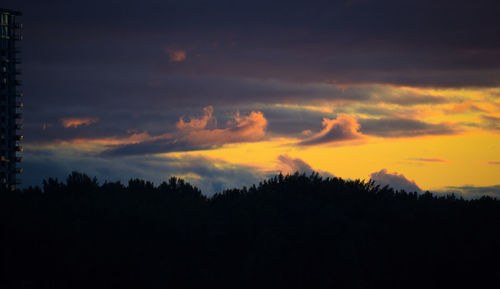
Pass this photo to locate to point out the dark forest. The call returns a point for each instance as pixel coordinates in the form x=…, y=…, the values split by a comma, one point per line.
x=294, y=231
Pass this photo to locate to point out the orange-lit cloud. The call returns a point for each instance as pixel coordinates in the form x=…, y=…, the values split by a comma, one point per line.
x=343, y=128
x=76, y=122
x=198, y=123
x=176, y=55
x=240, y=129
x=465, y=106
x=198, y=134
x=133, y=138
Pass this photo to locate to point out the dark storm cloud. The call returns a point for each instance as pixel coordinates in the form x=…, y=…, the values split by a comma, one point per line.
x=403, y=127
x=395, y=180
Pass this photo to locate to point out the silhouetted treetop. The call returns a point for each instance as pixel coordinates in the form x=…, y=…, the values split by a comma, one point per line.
x=289, y=231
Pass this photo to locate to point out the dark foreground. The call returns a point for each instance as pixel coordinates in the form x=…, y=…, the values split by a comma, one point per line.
x=291, y=232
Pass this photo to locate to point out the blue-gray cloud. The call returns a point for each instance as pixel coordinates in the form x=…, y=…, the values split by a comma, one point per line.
x=395, y=180
x=210, y=175
x=405, y=127
x=474, y=191
x=290, y=165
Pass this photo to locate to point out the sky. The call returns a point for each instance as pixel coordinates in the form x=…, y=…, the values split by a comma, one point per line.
x=228, y=93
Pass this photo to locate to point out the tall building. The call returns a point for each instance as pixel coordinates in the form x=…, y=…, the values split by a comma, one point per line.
x=10, y=99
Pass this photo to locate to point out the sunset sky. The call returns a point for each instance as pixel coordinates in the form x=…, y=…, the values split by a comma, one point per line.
x=227, y=93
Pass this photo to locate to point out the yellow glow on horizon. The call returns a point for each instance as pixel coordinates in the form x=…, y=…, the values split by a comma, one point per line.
x=465, y=158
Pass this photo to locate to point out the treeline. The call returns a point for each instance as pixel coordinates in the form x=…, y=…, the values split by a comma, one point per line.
x=292, y=231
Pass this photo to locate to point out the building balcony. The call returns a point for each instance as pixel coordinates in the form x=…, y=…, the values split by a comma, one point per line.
x=19, y=170
x=19, y=126
x=18, y=38
x=19, y=137
x=19, y=104
x=19, y=149
x=18, y=159
x=18, y=115
x=19, y=82
x=19, y=94
x=18, y=26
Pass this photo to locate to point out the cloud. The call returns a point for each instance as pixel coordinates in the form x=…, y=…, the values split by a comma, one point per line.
x=395, y=180
x=176, y=55
x=132, y=138
x=209, y=174
x=403, y=96
x=198, y=123
x=327, y=41
x=474, y=191
x=290, y=165
x=405, y=127
x=76, y=122
x=490, y=122
x=199, y=133
x=248, y=128
x=343, y=128
x=465, y=106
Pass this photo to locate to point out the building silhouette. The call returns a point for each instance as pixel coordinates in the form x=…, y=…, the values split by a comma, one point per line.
x=10, y=99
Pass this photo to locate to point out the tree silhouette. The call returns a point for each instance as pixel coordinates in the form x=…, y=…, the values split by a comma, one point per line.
x=293, y=231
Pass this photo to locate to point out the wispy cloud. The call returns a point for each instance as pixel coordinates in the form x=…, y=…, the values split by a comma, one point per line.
x=405, y=127
x=78, y=121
